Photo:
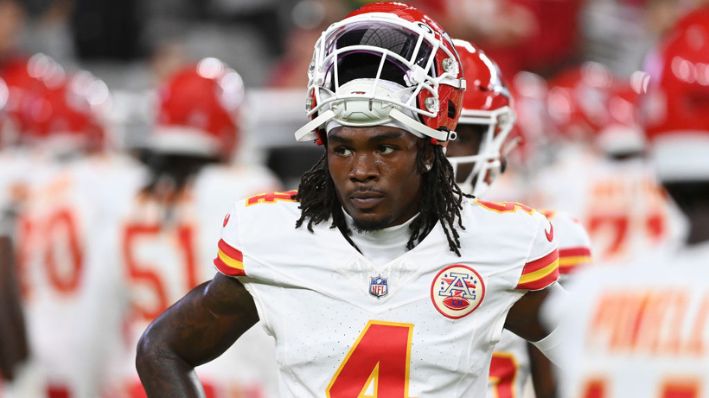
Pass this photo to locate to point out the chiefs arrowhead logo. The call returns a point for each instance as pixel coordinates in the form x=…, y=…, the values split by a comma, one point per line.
x=550, y=233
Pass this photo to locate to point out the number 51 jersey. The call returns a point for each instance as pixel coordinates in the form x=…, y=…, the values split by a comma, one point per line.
x=422, y=325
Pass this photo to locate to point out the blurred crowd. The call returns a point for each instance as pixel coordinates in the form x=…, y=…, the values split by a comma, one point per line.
x=128, y=128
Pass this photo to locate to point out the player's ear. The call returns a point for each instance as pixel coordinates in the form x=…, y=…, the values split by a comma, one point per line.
x=428, y=157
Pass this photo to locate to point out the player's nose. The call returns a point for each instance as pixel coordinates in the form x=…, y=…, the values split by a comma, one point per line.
x=364, y=168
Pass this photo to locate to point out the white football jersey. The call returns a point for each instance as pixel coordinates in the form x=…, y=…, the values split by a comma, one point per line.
x=621, y=204
x=637, y=331
x=510, y=367
x=330, y=309
x=159, y=249
x=62, y=211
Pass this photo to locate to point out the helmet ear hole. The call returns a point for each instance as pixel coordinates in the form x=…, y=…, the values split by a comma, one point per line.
x=452, y=111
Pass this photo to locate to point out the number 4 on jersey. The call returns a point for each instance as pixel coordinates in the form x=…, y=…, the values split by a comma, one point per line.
x=377, y=365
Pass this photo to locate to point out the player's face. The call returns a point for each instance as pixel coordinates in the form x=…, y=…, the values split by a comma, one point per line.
x=467, y=143
x=375, y=175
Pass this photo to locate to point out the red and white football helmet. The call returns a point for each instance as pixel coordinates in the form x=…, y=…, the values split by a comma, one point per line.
x=74, y=121
x=385, y=63
x=50, y=109
x=577, y=101
x=588, y=104
x=487, y=102
x=674, y=111
x=28, y=81
x=198, y=111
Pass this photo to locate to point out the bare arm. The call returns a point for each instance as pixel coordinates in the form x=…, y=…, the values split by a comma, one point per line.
x=542, y=371
x=524, y=318
x=13, y=338
x=195, y=330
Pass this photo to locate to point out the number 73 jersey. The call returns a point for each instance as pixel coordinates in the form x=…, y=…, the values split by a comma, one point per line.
x=422, y=325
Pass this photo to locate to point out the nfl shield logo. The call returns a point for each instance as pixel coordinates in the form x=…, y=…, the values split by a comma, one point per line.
x=378, y=286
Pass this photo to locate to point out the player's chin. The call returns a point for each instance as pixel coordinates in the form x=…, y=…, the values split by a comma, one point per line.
x=369, y=220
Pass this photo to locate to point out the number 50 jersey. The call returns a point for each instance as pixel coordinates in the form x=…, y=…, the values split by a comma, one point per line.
x=423, y=324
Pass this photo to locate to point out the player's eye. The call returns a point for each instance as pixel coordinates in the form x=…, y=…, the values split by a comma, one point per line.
x=386, y=149
x=342, y=150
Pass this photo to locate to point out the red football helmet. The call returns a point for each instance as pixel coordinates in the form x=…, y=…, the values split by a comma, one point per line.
x=577, y=101
x=621, y=133
x=487, y=103
x=589, y=104
x=198, y=111
x=674, y=111
x=28, y=81
x=678, y=97
x=48, y=108
x=385, y=63
x=74, y=119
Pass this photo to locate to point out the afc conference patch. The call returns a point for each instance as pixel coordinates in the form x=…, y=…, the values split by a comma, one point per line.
x=378, y=286
x=457, y=290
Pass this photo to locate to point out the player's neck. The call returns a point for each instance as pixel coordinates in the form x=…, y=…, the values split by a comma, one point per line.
x=381, y=245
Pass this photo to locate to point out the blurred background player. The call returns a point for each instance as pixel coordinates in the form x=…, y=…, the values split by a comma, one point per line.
x=67, y=169
x=600, y=173
x=14, y=351
x=642, y=330
x=478, y=156
x=160, y=239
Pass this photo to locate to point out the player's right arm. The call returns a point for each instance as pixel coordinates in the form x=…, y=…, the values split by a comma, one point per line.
x=13, y=336
x=195, y=330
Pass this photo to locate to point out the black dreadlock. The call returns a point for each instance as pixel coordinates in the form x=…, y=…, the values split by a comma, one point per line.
x=441, y=199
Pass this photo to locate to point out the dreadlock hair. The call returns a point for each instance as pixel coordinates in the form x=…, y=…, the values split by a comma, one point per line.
x=441, y=198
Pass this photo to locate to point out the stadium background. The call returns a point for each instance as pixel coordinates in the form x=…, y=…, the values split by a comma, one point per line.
x=132, y=45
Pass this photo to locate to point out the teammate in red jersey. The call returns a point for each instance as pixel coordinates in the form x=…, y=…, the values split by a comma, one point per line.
x=378, y=245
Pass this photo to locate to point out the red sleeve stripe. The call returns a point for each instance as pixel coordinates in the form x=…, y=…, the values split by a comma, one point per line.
x=229, y=260
x=575, y=252
x=227, y=270
x=540, y=263
x=230, y=251
x=571, y=258
x=540, y=273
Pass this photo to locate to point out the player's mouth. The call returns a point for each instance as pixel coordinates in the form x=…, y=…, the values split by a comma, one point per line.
x=364, y=200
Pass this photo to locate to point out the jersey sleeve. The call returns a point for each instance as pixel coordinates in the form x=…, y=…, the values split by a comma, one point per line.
x=573, y=241
x=229, y=259
x=541, y=268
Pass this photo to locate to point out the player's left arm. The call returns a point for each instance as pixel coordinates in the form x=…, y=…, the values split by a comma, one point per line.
x=538, y=281
x=524, y=318
x=574, y=253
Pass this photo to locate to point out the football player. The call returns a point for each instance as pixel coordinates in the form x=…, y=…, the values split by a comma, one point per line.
x=161, y=238
x=478, y=156
x=642, y=330
x=379, y=276
x=13, y=340
x=67, y=174
x=601, y=174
